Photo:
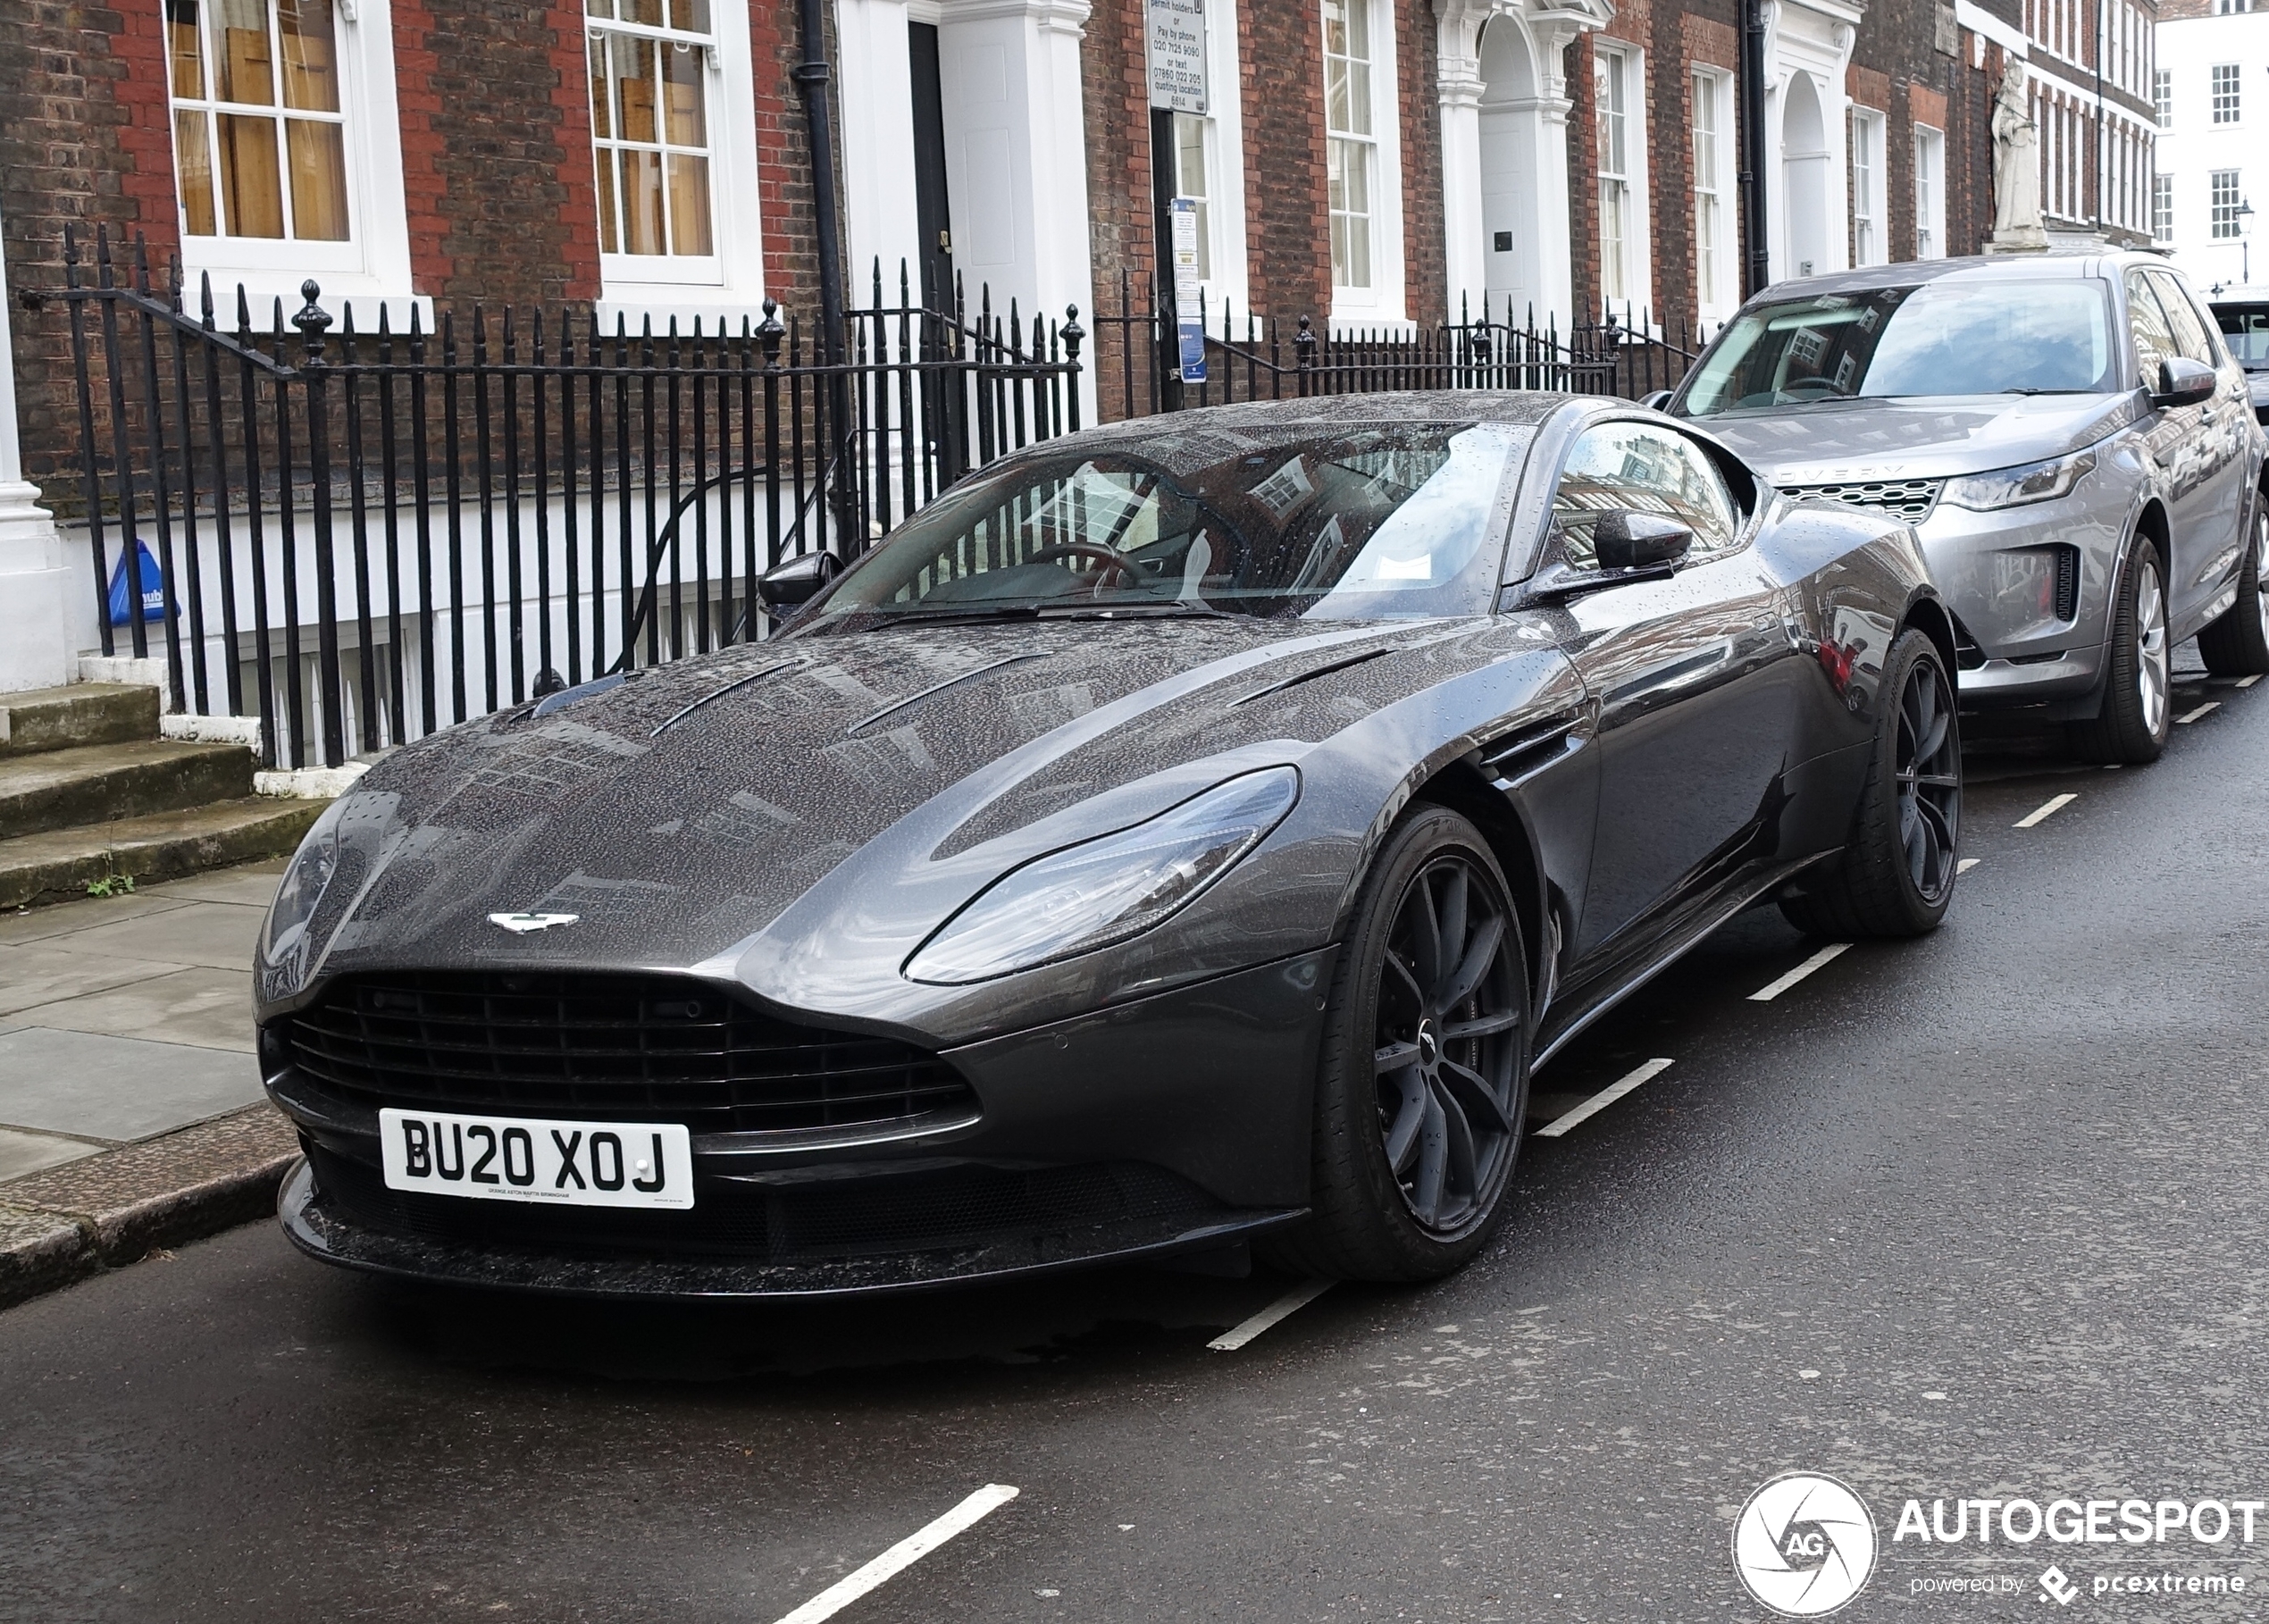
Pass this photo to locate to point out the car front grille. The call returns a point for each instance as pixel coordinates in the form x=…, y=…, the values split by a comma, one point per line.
x=1909, y=499
x=634, y=1048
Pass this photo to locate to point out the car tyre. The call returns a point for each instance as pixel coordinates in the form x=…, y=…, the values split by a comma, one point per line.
x=1896, y=875
x=1422, y=1086
x=2237, y=644
x=2138, y=708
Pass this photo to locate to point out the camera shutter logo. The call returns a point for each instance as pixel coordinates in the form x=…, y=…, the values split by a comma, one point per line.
x=1804, y=1546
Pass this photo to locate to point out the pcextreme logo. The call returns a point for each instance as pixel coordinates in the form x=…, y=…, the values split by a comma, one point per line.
x=1804, y=1546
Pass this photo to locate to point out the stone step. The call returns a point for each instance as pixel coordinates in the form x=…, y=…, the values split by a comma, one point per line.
x=56, y=866
x=41, y=719
x=93, y=783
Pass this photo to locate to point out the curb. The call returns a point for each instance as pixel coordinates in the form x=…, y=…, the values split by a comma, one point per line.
x=107, y=1211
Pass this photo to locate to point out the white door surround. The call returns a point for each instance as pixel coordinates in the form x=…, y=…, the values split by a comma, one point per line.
x=1806, y=197
x=1504, y=151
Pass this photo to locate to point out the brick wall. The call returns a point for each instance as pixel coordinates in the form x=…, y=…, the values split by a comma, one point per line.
x=1418, y=63
x=85, y=143
x=784, y=161
x=1287, y=208
x=1122, y=229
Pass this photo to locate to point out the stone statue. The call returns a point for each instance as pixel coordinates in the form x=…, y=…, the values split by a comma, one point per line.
x=2016, y=167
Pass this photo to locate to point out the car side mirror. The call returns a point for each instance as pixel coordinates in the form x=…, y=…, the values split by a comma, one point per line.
x=2183, y=382
x=1625, y=539
x=1660, y=400
x=792, y=585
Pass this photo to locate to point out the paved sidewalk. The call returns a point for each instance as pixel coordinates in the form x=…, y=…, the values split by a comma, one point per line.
x=131, y=1106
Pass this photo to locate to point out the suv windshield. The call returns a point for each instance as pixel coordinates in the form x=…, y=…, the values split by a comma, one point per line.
x=1342, y=523
x=1942, y=337
x=2245, y=328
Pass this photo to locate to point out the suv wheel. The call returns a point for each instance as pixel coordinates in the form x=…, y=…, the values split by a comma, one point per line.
x=2136, y=713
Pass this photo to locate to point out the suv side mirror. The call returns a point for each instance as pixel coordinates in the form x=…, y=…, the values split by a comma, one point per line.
x=792, y=585
x=1624, y=539
x=2183, y=382
x=1660, y=400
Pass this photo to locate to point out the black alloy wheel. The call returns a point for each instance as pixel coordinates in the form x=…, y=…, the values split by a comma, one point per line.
x=1896, y=875
x=1423, y=1085
x=1928, y=757
x=1446, y=1048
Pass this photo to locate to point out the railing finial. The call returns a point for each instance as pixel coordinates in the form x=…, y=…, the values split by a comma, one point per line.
x=312, y=321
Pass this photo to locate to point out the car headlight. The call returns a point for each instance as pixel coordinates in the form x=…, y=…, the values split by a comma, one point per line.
x=1107, y=889
x=305, y=878
x=2016, y=487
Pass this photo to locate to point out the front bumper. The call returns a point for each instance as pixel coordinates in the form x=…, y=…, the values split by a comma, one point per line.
x=1995, y=571
x=1176, y=1123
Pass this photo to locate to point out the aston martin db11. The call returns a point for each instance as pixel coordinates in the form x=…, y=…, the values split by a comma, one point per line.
x=1180, y=837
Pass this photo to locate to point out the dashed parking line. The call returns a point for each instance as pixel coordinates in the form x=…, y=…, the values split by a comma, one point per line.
x=1601, y=1100
x=2191, y=716
x=2045, y=809
x=1965, y=865
x=902, y=1555
x=1774, y=989
x=1299, y=1297
x=2247, y=682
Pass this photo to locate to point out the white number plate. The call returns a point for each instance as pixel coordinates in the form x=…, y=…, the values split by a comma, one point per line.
x=516, y=1159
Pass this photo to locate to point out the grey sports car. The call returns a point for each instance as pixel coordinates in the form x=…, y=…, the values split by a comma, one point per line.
x=2072, y=442
x=1181, y=835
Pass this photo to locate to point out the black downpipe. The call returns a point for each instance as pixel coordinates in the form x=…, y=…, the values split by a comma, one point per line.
x=813, y=73
x=1756, y=257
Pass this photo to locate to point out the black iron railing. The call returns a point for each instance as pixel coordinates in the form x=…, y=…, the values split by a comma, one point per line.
x=1256, y=358
x=361, y=537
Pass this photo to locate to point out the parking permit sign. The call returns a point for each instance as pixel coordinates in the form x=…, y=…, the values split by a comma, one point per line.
x=1189, y=294
x=1176, y=35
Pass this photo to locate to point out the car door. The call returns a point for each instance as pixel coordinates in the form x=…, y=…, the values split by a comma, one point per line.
x=1693, y=681
x=2177, y=439
x=2222, y=436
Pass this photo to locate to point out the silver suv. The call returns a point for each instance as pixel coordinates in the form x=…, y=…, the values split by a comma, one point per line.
x=2069, y=436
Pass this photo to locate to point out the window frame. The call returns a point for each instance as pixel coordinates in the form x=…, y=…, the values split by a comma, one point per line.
x=1380, y=299
x=2225, y=91
x=1871, y=241
x=2161, y=206
x=728, y=284
x=2222, y=212
x=2163, y=96
x=1930, y=205
x=1626, y=64
x=1714, y=86
x=371, y=267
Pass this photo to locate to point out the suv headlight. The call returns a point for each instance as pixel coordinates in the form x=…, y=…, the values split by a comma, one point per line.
x=2016, y=487
x=1107, y=889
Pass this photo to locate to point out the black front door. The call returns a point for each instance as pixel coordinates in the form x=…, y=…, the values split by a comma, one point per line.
x=934, y=217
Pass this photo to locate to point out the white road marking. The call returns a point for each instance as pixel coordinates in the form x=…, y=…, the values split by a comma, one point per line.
x=1808, y=1376
x=1601, y=1100
x=2192, y=715
x=1298, y=1297
x=1965, y=865
x=902, y=1555
x=2247, y=682
x=2053, y=804
x=1774, y=989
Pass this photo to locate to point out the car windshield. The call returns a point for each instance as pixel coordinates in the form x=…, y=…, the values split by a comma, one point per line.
x=1942, y=337
x=2245, y=328
x=1363, y=523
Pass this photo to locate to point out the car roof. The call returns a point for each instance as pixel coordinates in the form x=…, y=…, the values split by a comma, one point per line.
x=1981, y=267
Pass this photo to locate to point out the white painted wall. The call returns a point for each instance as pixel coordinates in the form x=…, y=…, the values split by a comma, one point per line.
x=2193, y=146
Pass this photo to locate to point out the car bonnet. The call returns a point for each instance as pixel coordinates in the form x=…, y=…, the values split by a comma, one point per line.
x=1918, y=439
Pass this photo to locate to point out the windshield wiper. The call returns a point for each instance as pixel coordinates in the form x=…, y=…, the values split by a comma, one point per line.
x=2039, y=391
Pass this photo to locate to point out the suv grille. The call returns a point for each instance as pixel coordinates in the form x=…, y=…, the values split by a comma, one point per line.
x=1910, y=500
x=632, y=1046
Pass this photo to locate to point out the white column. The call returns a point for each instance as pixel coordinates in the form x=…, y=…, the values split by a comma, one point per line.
x=1555, y=272
x=1465, y=238
x=35, y=647
x=1016, y=142
x=876, y=87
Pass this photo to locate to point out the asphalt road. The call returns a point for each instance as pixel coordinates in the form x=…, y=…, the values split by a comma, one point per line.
x=1977, y=1216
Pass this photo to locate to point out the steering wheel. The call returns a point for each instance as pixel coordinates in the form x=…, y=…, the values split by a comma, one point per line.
x=1110, y=561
